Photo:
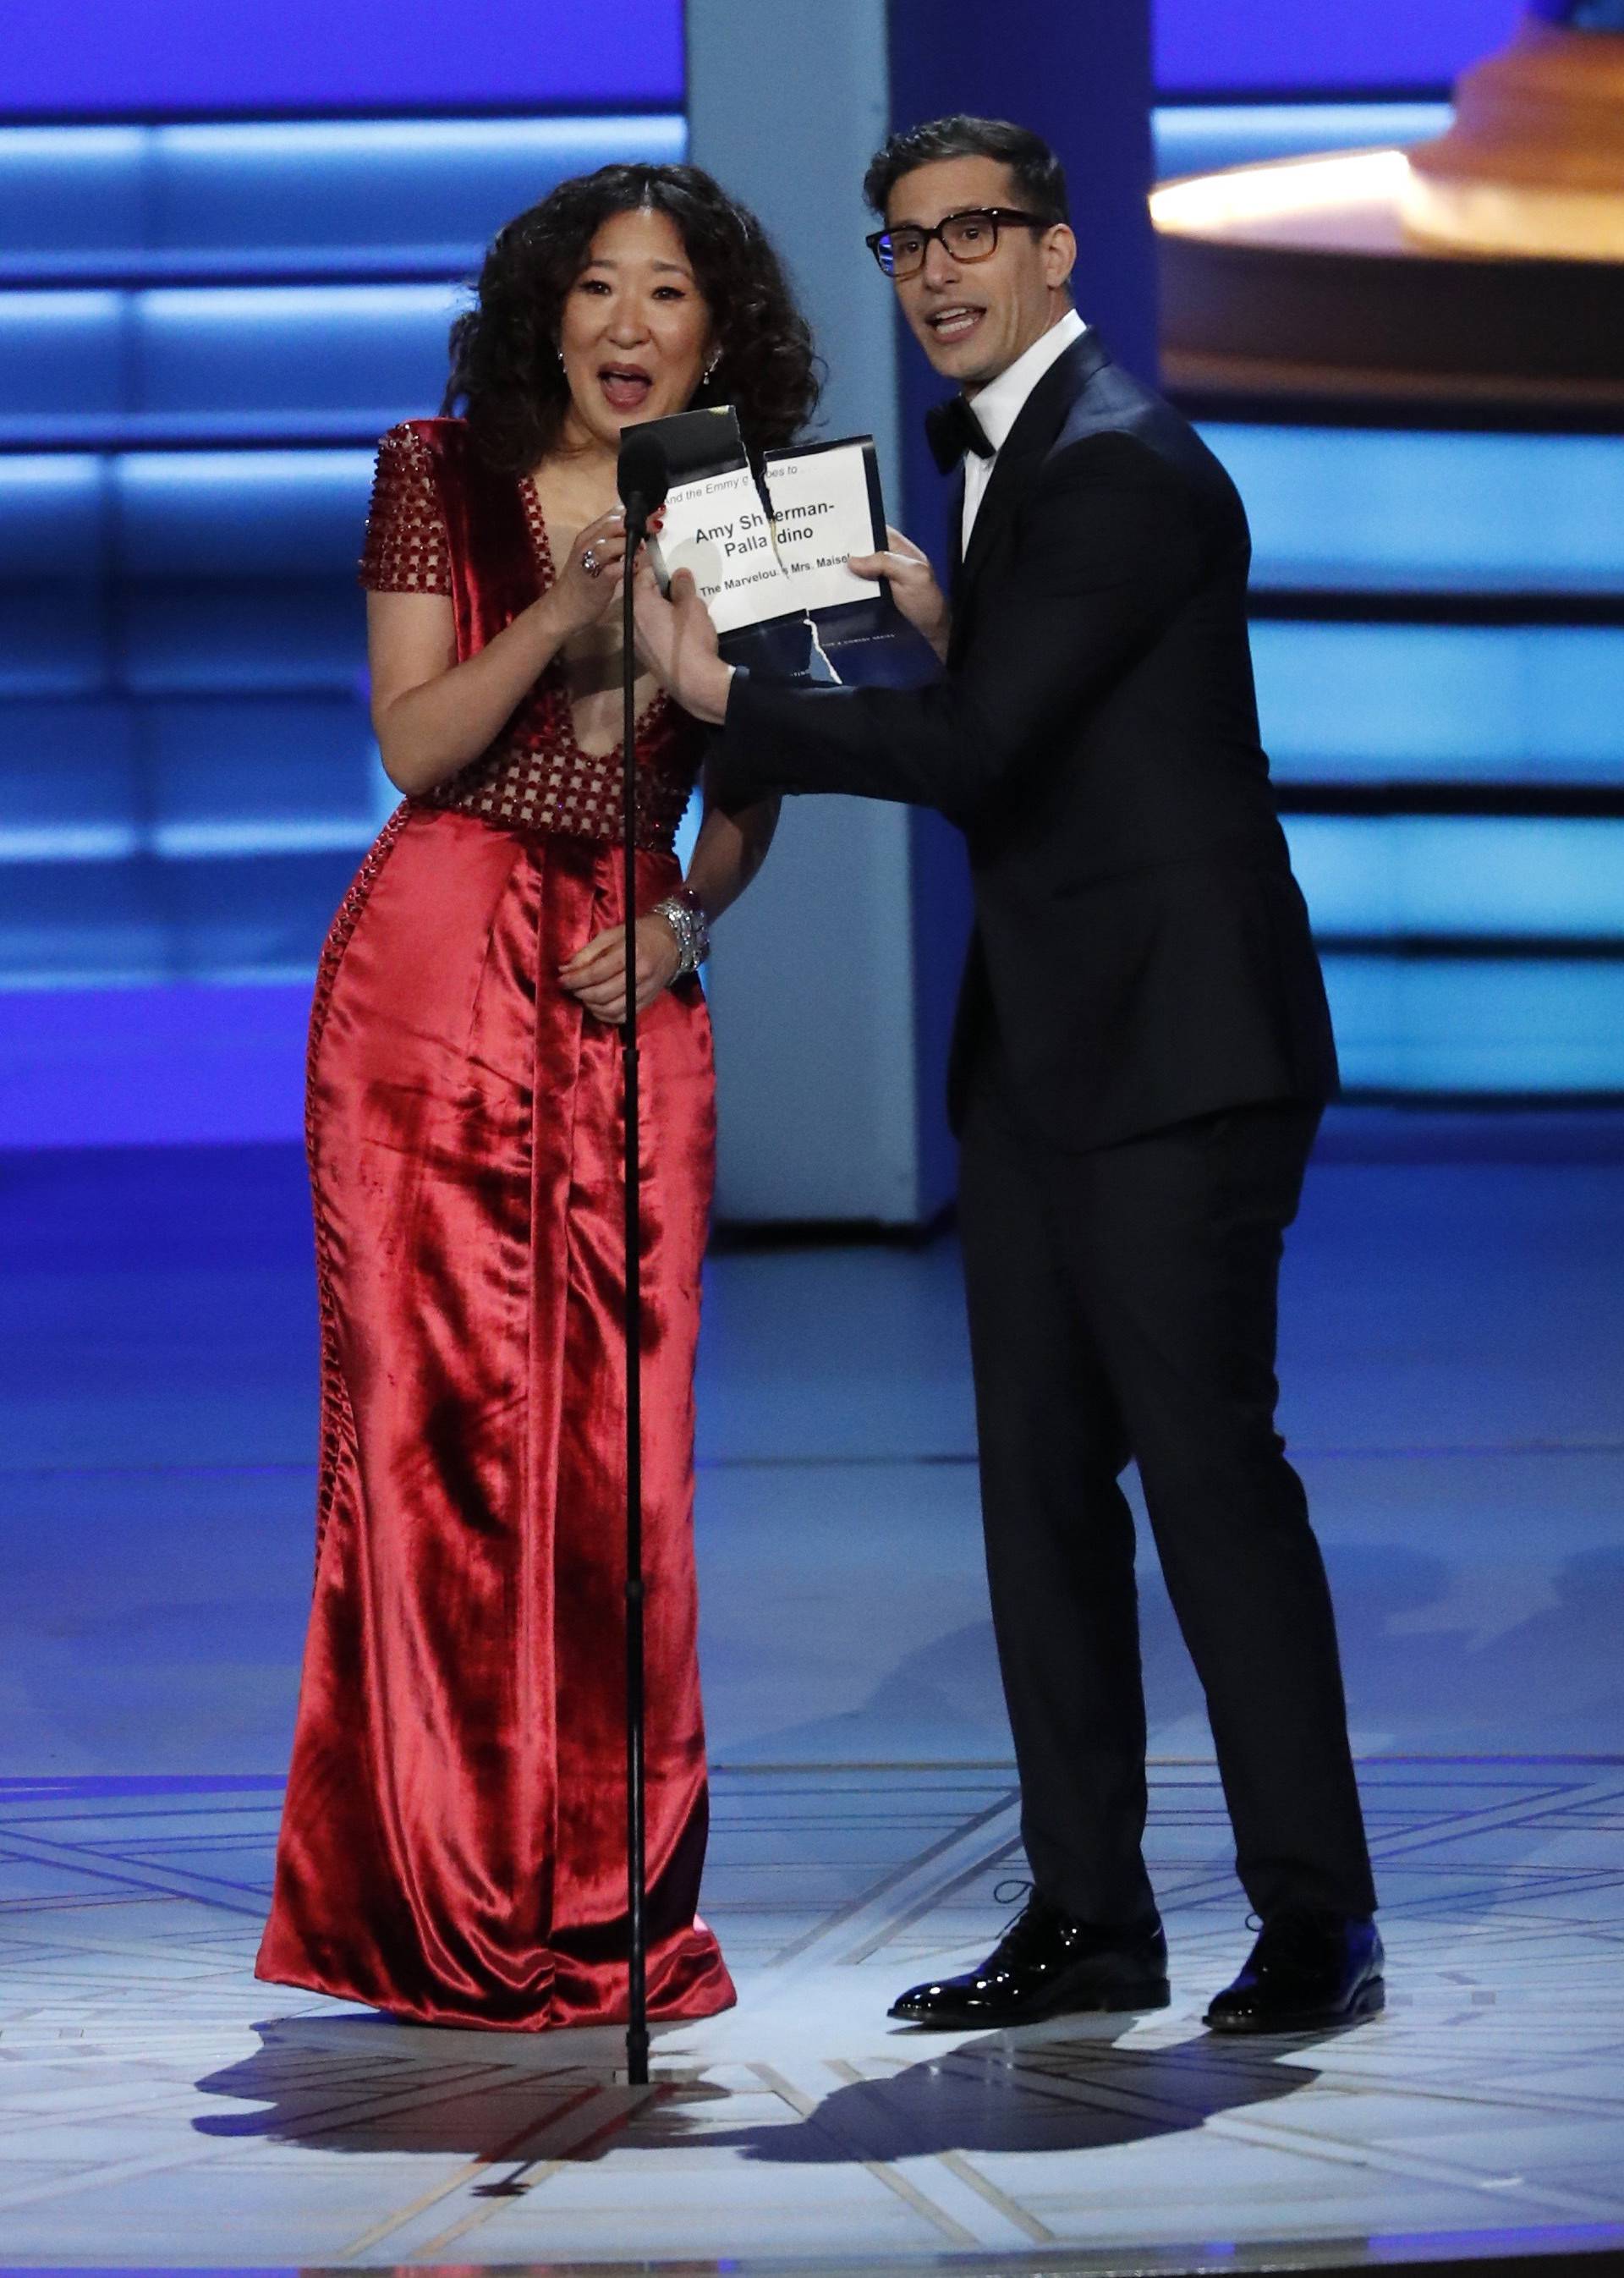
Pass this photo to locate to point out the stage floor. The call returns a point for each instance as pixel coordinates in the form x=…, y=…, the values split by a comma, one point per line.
x=1453, y=1324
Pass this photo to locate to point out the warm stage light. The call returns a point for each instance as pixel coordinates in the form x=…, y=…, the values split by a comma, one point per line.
x=1532, y=166
x=1495, y=218
x=1280, y=192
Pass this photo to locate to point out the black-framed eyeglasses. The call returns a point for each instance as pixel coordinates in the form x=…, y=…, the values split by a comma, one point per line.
x=971, y=235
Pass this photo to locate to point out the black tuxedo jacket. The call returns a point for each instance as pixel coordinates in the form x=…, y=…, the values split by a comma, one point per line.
x=1141, y=953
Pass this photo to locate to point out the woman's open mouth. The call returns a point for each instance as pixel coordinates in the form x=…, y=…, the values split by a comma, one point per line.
x=626, y=386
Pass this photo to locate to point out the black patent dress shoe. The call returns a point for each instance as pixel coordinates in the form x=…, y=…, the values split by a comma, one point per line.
x=1306, y=1972
x=1046, y=1965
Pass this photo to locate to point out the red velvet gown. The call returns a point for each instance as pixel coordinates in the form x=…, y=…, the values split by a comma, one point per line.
x=452, y=1846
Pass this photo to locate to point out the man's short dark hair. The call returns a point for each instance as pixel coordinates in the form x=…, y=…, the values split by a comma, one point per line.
x=1039, y=182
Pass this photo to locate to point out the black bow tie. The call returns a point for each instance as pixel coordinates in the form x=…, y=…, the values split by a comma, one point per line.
x=951, y=429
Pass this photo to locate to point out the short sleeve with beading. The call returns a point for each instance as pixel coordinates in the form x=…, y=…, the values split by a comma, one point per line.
x=407, y=546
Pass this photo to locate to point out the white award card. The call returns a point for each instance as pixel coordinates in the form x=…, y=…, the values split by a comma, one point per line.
x=824, y=507
x=718, y=530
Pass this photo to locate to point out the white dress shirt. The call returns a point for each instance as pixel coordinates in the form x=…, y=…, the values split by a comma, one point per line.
x=1000, y=404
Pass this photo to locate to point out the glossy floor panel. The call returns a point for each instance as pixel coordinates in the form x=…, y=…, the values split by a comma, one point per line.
x=1454, y=1321
x=158, y=2106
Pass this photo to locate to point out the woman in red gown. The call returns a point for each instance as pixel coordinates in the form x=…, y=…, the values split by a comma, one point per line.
x=453, y=1846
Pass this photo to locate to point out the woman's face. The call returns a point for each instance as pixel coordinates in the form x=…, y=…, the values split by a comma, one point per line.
x=636, y=333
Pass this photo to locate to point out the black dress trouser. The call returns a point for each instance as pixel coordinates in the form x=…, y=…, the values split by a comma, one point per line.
x=1123, y=1304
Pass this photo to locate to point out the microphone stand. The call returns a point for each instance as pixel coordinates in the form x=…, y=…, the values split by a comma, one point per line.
x=637, y=2025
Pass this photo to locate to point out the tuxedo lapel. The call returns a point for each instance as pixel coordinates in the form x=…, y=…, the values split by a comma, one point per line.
x=1042, y=417
x=956, y=534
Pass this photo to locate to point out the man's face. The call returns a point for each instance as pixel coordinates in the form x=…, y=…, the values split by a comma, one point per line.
x=972, y=318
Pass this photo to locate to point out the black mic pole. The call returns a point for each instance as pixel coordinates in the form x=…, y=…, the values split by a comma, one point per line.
x=643, y=481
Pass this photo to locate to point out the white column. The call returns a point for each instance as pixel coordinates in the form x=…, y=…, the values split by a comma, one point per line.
x=826, y=1108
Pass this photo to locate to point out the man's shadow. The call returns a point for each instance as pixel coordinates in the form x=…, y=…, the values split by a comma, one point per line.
x=1069, y=2085
x=369, y=2085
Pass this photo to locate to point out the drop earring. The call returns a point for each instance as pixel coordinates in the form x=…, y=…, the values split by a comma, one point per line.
x=710, y=369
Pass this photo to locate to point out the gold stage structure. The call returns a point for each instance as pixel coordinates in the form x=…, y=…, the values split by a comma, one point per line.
x=1485, y=269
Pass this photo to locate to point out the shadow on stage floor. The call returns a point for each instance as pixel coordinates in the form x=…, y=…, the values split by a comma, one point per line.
x=1452, y=1324
x=1046, y=2088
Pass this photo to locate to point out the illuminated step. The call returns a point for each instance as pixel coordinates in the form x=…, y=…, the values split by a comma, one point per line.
x=222, y=351
x=261, y=512
x=159, y=572
x=1500, y=704
x=180, y=842
x=91, y=197
x=1411, y=510
x=1199, y=138
x=109, y=781
x=106, y=923
x=1495, y=1025
x=1494, y=877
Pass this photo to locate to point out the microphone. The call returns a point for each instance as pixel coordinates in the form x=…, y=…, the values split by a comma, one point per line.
x=642, y=476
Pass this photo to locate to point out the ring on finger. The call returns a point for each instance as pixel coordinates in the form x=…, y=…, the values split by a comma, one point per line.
x=589, y=563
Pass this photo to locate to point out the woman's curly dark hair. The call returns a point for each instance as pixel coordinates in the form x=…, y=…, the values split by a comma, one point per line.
x=505, y=362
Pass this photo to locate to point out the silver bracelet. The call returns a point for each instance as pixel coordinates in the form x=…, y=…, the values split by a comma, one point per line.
x=684, y=914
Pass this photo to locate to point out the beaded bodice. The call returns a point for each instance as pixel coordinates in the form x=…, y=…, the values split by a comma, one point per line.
x=535, y=777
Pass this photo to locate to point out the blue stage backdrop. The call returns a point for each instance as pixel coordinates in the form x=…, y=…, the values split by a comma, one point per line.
x=1280, y=46
x=170, y=57
x=206, y=321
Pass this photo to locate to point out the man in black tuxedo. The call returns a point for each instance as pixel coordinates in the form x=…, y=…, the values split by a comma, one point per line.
x=1142, y=1056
